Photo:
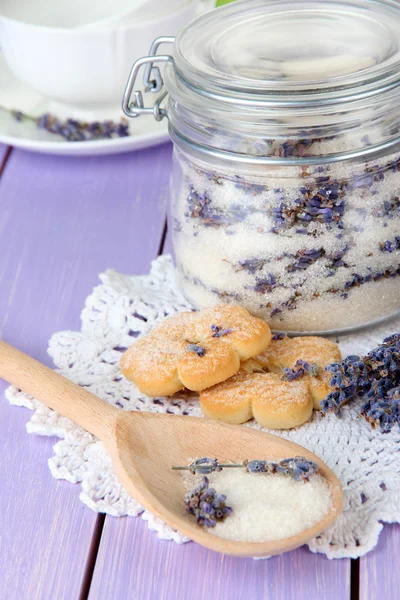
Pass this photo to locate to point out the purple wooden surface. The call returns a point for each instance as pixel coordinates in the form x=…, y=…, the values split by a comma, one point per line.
x=62, y=222
x=44, y=529
x=3, y=150
x=379, y=570
x=133, y=563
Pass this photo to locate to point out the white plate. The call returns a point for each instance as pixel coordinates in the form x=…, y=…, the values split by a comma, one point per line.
x=145, y=131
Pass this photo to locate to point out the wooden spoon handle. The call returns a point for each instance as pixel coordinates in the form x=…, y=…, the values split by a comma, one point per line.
x=57, y=392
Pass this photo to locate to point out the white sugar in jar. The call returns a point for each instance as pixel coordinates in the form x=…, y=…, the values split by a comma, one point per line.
x=285, y=191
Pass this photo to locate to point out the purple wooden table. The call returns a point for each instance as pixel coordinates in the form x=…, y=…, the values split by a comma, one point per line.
x=62, y=222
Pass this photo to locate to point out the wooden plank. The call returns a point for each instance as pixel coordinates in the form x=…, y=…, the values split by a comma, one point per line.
x=379, y=575
x=3, y=150
x=133, y=563
x=41, y=522
x=62, y=222
x=4, y=156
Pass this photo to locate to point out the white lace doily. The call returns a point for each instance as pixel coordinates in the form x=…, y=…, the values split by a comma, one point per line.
x=125, y=307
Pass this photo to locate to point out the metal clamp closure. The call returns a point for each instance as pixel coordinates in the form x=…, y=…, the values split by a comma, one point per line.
x=153, y=82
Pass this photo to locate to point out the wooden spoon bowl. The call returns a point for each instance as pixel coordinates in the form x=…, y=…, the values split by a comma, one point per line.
x=144, y=446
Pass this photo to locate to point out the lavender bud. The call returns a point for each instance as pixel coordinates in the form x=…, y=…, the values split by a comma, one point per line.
x=219, y=332
x=257, y=466
x=199, y=350
x=204, y=466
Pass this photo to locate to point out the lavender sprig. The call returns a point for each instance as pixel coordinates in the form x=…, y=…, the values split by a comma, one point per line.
x=73, y=130
x=375, y=378
x=298, y=467
x=206, y=505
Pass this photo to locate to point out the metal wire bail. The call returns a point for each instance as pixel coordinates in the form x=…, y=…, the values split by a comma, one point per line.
x=155, y=85
x=133, y=103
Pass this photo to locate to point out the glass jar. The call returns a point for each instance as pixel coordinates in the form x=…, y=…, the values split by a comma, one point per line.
x=285, y=191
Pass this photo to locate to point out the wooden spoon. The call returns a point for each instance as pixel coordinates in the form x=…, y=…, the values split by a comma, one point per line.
x=144, y=446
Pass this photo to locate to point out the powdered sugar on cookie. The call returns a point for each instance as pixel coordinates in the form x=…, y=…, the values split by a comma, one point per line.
x=195, y=350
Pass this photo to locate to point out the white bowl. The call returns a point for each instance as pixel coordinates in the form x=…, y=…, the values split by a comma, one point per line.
x=140, y=10
x=78, y=66
x=81, y=13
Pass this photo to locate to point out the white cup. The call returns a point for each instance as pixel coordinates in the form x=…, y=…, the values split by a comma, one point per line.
x=83, y=66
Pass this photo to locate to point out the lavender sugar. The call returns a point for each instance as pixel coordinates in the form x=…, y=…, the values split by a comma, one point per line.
x=314, y=249
x=267, y=507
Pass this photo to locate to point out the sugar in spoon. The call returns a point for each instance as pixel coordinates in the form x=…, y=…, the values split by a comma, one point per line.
x=144, y=446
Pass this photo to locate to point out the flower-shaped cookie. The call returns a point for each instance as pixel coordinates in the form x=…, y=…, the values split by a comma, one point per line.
x=278, y=388
x=313, y=350
x=273, y=402
x=195, y=350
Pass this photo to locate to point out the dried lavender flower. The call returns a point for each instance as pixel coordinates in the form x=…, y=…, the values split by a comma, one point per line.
x=309, y=368
x=322, y=202
x=206, y=505
x=305, y=258
x=292, y=374
x=204, y=466
x=200, y=206
x=219, y=332
x=389, y=208
x=279, y=336
x=251, y=189
x=258, y=466
x=300, y=468
x=252, y=265
x=199, y=350
x=375, y=378
x=390, y=245
x=73, y=130
x=266, y=285
x=300, y=368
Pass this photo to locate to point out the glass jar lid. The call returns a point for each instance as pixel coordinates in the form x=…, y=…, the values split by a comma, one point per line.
x=299, y=81
x=261, y=50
